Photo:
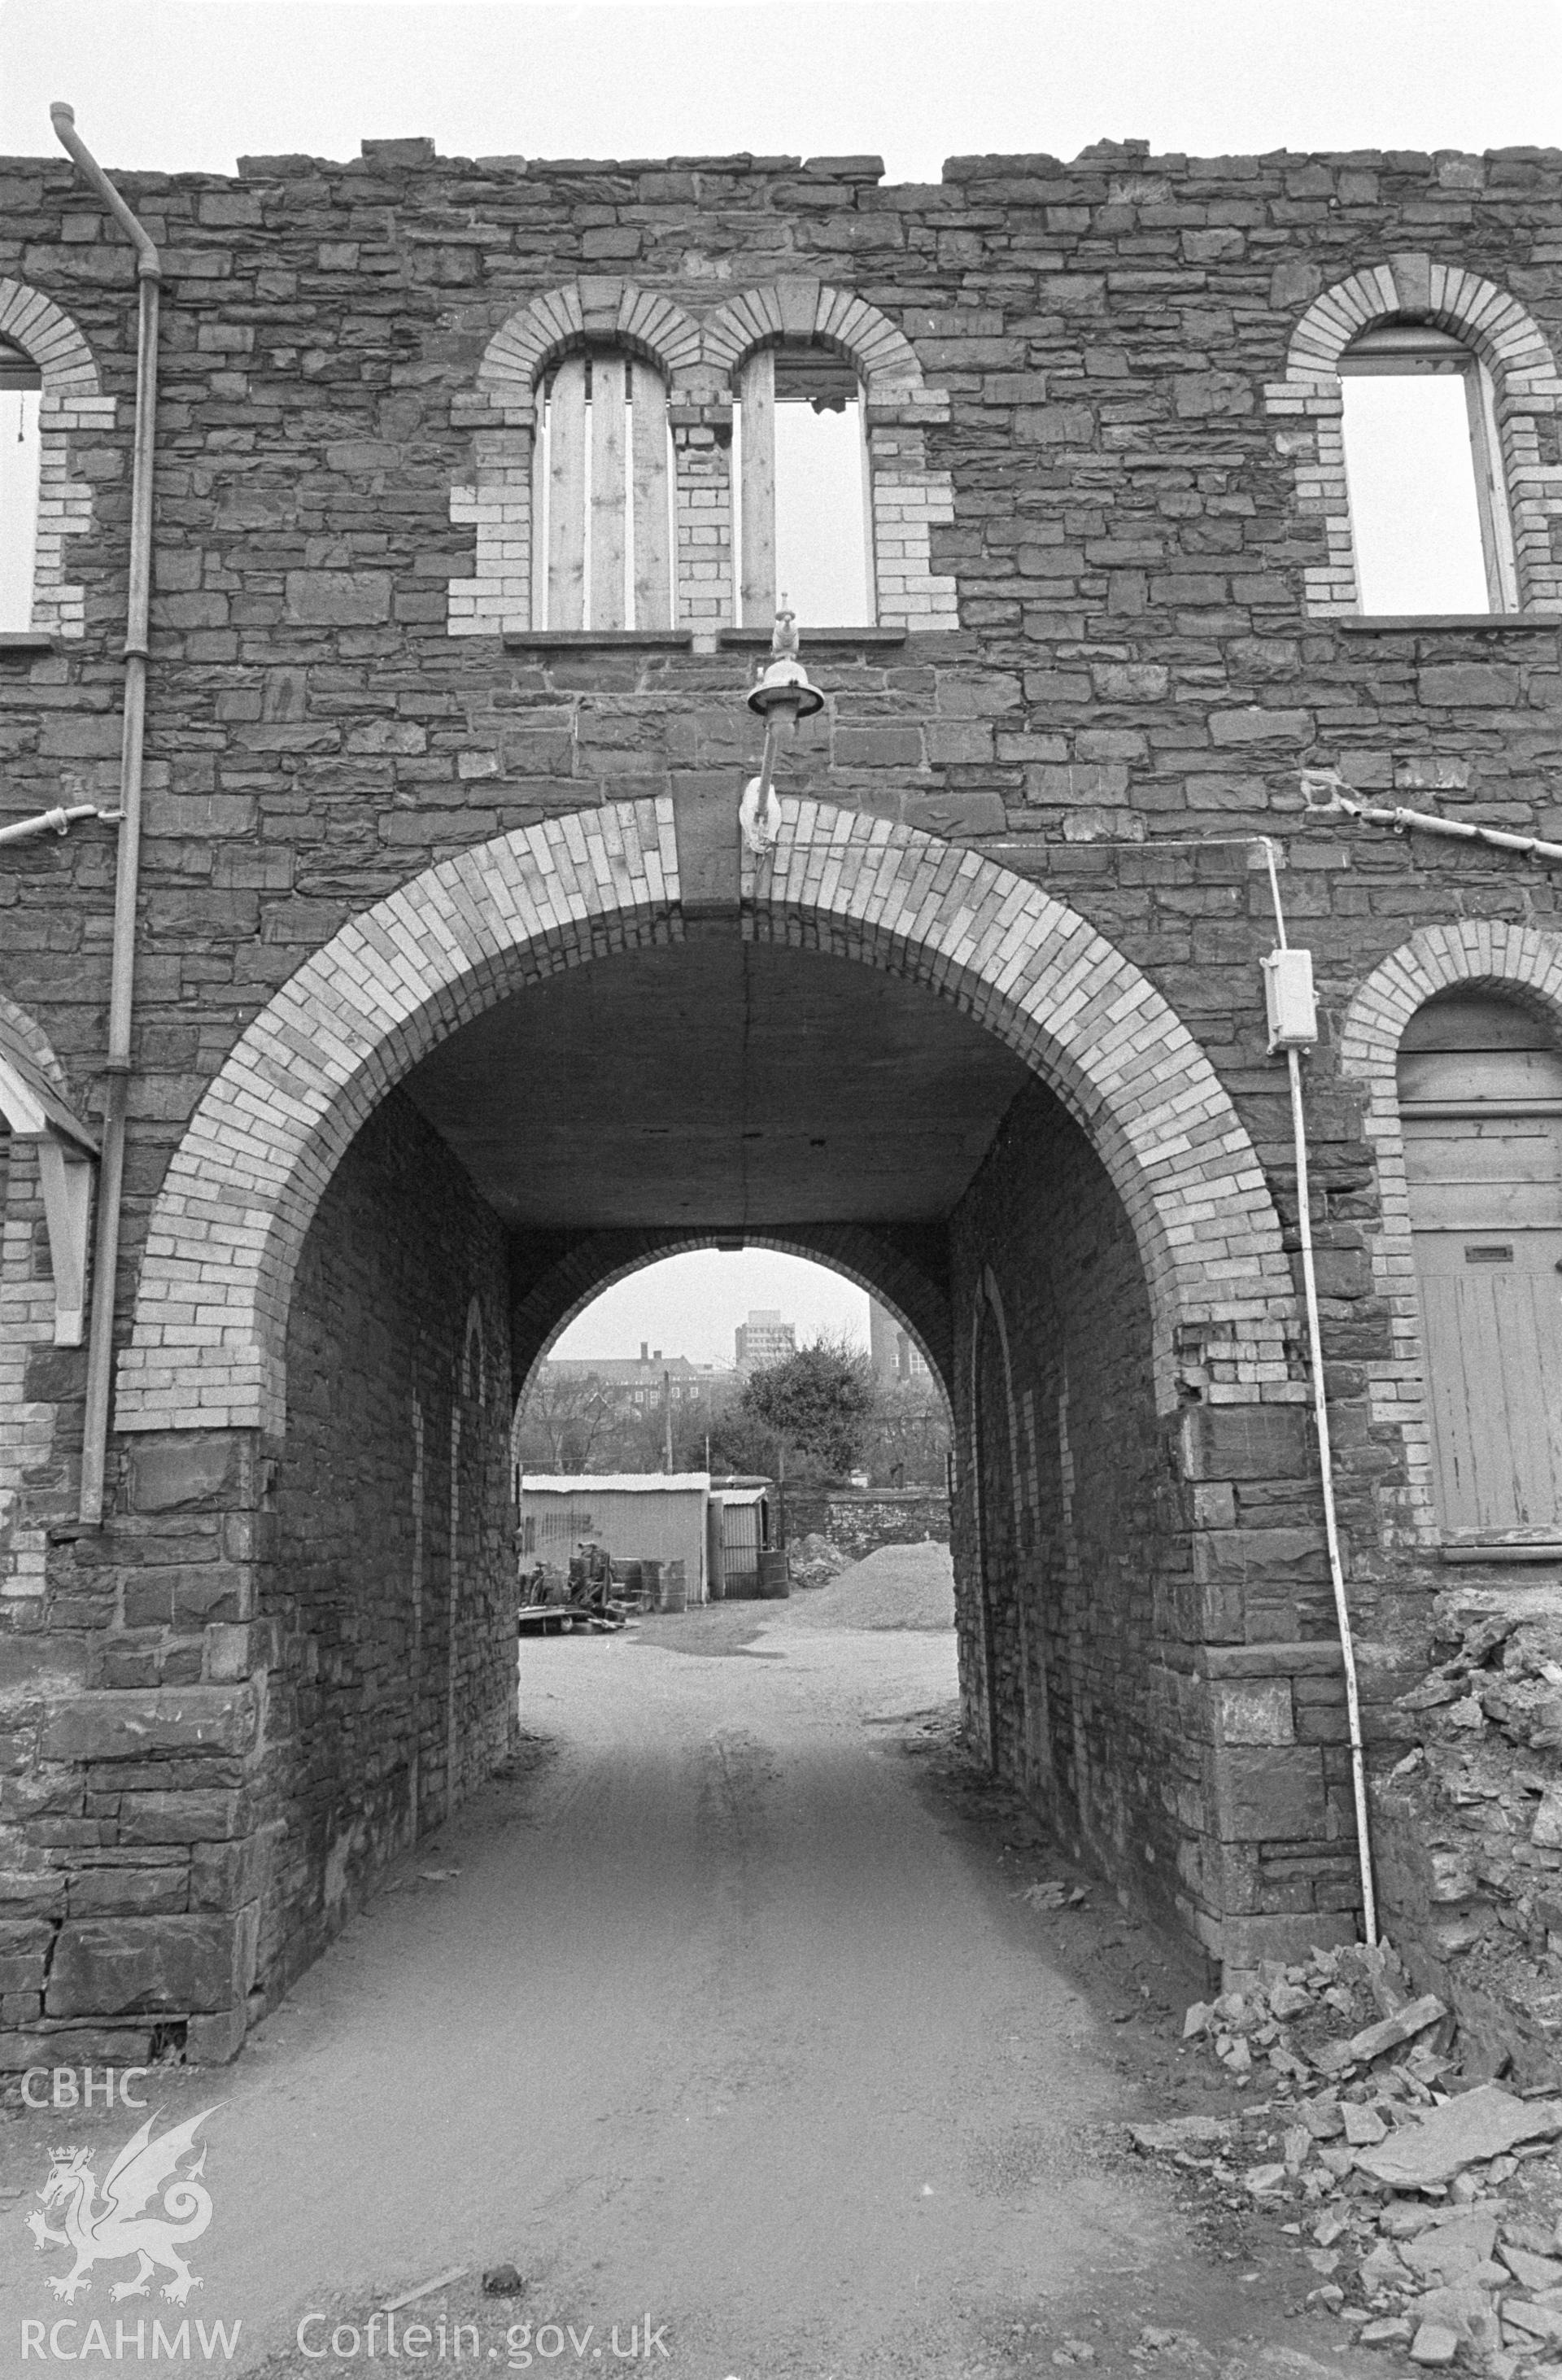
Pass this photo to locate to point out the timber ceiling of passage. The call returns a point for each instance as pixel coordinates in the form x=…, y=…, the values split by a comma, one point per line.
x=720, y=1083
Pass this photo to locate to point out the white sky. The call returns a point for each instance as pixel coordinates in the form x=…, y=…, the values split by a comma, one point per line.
x=192, y=84
x=690, y=1306
x=1413, y=509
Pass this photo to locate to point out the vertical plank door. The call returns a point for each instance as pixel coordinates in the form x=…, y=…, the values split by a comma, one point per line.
x=653, y=543
x=567, y=496
x=608, y=497
x=1485, y=1192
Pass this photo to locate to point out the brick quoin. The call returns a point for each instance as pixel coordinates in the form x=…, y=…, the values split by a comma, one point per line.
x=1115, y=618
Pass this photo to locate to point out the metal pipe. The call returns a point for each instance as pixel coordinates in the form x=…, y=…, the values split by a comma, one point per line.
x=1326, y=1450
x=122, y=965
x=53, y=821
x=1331, y=1526
x=1459, y=829
x=1342, y=796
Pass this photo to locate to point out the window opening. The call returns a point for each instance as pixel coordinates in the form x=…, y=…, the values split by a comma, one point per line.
x=1480, y=1103
x=21, y=393
x=602, y=497
x=804, y=514
x=1428, y=513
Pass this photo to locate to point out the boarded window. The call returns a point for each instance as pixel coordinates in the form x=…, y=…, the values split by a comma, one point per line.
x=1422, y=463
x=1480, y=1100
x=20, y=395
x=804, y=512
x=602, y=497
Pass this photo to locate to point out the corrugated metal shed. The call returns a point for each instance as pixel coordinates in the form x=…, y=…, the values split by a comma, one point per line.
x=639, y=1516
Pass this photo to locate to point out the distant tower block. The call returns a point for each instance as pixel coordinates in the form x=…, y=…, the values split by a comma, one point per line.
x=763, y=1338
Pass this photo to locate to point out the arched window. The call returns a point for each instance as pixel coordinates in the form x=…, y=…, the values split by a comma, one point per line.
x=601, y=492
x=804, y=528
x=1480, y=1083
x=1414, y=401
x=1423, y=464
x=20, y=390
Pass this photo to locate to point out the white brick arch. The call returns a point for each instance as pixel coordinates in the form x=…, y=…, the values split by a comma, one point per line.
x=908, y=496
x=1475, y=955
x=502, y=413
x=1525, y=387
x=837, y=319
x=70, y=402
x=642, y=321
x=208, y=1344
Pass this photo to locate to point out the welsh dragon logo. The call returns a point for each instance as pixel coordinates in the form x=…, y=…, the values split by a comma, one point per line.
x=106, y=2230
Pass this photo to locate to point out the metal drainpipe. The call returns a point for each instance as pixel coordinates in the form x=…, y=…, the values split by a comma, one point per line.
x=52, y=822
x=1326, y=1453
x=111, y=1177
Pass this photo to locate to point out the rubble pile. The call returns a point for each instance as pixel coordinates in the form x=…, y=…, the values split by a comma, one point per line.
x=815, y=1559
x=1428, y=2201
x=1469, y=1825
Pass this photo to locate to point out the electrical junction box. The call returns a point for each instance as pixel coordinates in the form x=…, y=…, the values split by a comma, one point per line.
x=1289, y=1000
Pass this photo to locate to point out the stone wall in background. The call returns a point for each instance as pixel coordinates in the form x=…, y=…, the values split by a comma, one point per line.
x=859, y=1520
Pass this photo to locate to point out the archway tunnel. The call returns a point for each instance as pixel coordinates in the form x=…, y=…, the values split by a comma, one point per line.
x=718, y=1090
x=540, y=1067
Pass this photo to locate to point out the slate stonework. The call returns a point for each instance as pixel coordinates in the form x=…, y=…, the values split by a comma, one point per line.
x=1116, y=377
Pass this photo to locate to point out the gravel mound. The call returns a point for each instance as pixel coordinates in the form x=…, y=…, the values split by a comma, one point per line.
x=899, y=1586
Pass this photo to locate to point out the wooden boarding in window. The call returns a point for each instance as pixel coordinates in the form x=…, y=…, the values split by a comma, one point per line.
x=1481, y=1104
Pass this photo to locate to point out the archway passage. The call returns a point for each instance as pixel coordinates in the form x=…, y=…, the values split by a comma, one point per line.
x=534, y=1066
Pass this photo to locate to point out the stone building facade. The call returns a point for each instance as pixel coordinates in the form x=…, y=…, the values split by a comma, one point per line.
x=1115, y=618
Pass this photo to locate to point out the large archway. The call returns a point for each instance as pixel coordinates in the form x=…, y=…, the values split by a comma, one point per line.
x=207, y=1345
x=543, y=1063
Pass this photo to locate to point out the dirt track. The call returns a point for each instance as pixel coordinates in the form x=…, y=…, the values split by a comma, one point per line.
x=732, y=2014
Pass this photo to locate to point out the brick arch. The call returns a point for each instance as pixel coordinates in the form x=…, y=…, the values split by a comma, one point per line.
x=599, y=1260
x=645, y=322
x=473, y=1369
x=503, y=412
x=209, y=1336
x=910, y=496
x=838, y=318
x=1475, y=955
x=986, y=1316
x=30, y=1036
x=1525, y=384
x=71, y=401
x=27, y=1424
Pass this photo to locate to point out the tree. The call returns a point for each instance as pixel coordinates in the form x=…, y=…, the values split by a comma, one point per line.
x=561, y=1423
x=817, y=1403
x=908, y=1441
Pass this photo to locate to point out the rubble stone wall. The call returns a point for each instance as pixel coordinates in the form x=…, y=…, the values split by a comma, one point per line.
x=1117, y=380
x=388, y=1595
x=1166, y=1667
x=860, y=1519
x=250, y=1698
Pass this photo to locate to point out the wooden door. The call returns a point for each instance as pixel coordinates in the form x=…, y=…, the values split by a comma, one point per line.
x=1482, y=1125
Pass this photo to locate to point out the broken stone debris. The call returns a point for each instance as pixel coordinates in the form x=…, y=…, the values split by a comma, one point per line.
x=1429, y=2196
x=1468, y=1828
x=1054, y=1893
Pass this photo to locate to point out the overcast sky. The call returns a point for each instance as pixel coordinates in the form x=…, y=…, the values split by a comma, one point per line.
x=194, y=84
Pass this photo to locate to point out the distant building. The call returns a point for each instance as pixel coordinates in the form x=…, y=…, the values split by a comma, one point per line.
x=763, y=1338
x=893, y=1351
x=634, y=1384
